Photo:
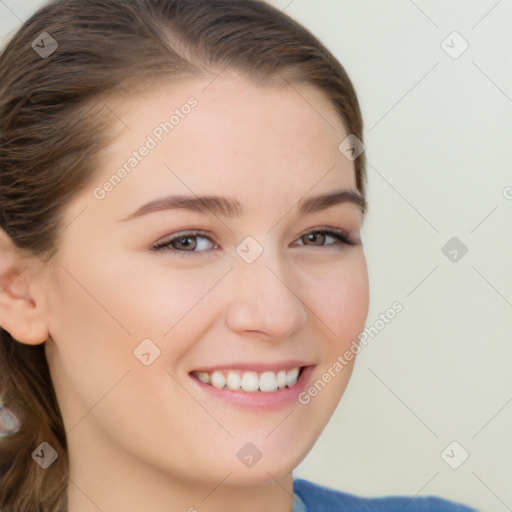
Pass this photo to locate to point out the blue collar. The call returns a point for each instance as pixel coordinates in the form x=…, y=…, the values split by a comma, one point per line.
x=298, y=504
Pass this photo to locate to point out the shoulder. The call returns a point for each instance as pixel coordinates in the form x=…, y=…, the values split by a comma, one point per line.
x=322, y=499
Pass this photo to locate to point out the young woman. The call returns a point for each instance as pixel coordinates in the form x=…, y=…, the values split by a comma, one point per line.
x=182, y=190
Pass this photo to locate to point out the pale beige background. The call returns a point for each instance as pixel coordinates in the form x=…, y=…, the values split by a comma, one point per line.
x=438, y=135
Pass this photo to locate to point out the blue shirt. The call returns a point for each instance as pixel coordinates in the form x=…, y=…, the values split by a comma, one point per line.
x=310, y=497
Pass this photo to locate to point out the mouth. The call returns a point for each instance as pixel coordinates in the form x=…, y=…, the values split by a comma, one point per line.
x=250, y=381
x=254, y=387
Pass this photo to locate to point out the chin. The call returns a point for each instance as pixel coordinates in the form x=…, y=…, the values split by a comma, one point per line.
x=278, y=459
x=258, y=475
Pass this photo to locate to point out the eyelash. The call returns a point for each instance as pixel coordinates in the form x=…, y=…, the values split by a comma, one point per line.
x=166, y=244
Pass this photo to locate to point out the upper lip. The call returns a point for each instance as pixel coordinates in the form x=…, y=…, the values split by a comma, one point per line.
x=255, y=367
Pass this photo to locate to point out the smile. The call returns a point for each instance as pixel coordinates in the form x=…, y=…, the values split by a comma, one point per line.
x=250, y=381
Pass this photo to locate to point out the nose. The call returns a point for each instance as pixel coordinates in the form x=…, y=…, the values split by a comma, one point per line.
x=264, y=301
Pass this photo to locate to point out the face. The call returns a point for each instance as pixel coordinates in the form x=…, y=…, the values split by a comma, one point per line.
x=198, y=295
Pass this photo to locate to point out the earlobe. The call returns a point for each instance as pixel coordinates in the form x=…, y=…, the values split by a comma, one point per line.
x=21, y=314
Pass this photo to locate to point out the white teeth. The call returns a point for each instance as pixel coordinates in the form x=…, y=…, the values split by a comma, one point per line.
x=250, y=381
x=281, y=379
x=203, y=377
x=218, y=379
x=266, y=382
x=233, y=381
x=291, y=377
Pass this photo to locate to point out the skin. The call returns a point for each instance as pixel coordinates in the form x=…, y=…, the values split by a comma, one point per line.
x=145, y=437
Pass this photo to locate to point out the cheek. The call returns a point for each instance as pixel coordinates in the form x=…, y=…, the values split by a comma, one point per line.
x=171, y=306
x=141, y=297
x=340, y=299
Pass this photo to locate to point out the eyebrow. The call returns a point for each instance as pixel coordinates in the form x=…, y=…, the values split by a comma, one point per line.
x=229, y=207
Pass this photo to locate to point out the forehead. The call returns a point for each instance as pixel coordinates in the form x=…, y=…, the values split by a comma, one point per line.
x=227, y=135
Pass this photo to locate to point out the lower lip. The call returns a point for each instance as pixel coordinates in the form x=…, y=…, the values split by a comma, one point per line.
x=260, y=399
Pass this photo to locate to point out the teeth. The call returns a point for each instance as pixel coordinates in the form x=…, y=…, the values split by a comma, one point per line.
x=218, y=379
x=292, y=376
x=203, y=377
x=234, y=381
x=266, y=382
x=250, y=381
x=281, y=379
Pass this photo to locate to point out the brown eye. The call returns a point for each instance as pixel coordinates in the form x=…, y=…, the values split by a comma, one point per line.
x=324, y=238
x=186, y=243
x=315, y=238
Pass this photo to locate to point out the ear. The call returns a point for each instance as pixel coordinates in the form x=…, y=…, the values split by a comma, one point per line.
x=21, y=301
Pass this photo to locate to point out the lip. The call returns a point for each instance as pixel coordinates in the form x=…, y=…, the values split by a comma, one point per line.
x=254, y=367
x=258, y=400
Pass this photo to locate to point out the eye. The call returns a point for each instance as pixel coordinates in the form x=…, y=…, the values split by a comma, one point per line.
x=197, y=242
x=188, y=242
x=322, y=238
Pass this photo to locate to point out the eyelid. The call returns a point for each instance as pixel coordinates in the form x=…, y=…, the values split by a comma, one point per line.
x=165, y=244
x=341, y=235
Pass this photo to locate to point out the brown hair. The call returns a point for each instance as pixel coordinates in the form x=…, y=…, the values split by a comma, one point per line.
x=53, y=121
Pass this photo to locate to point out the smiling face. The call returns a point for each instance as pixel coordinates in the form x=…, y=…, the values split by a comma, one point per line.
x=211, y=263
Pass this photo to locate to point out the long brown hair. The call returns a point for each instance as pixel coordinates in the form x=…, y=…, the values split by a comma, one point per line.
x=56, y=75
